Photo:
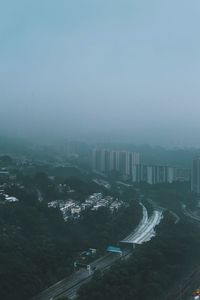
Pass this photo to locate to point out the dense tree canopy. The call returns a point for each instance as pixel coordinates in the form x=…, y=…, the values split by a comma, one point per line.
x=37, y=248
x=153, y=269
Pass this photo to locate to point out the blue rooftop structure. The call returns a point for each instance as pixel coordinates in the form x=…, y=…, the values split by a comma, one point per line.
x=114, y=249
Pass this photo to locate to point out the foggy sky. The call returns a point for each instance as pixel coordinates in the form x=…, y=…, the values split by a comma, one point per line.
x=128, y=68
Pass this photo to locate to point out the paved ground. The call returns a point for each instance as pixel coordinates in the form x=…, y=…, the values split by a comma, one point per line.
x=145, y=230
x=70, y=285
x=184, y=290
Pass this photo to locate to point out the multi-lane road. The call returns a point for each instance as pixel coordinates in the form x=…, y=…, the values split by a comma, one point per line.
x=193, y=279
x=190, y=214
x=70, y=285
x=185, y=288
x=146, y=229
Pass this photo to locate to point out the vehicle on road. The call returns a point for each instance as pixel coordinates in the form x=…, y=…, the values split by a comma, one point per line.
x=196, y=294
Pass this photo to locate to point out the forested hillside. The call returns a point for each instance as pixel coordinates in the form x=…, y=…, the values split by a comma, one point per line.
x=153, y=269
x=37, y=248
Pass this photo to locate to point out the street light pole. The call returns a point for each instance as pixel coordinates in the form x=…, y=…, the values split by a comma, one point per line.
x=89, y=269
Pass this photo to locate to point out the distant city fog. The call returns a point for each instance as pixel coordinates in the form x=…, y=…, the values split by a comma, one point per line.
x=107, y=70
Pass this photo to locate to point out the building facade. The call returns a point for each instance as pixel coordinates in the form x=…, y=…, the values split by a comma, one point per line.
x=153, y=174
x=128, y=164
x=104, y=160
x=195, y=178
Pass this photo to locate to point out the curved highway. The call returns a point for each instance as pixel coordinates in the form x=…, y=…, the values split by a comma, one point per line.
x=70, y=285
x=146, y=229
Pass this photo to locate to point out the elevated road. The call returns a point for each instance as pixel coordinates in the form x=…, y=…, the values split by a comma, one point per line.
x=146, y=229
x=70, y=285
x=140, y=227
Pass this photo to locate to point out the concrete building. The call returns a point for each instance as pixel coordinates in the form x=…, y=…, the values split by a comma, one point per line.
x=96, y=160
x=113, y=161
x=195, y=178
x=182, y=174
x=104, y=160
x=171, y=177
x=152, y=174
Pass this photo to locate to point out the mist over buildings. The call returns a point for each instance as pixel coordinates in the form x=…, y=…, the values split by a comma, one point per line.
x=113, y=70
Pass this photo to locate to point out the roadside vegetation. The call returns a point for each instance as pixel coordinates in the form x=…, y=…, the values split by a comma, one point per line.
x=37, y=248
x=153, y=269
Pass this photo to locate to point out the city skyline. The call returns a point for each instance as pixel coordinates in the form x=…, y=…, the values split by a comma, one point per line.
x=99, y=149
x=130, y=167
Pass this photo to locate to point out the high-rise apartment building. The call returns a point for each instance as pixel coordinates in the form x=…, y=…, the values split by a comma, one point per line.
x=128, y=164
x=195, y=180
x=171, y=175
x=113, y=161
x=104, y=160
x=124, y=162
x=153, y=174
x=96, y=159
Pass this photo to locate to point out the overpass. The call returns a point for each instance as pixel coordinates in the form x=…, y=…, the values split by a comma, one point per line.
x=70, y=285
x=146, y=229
